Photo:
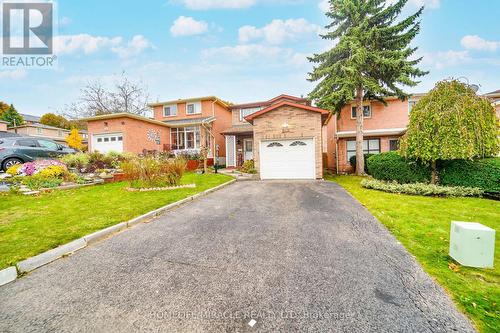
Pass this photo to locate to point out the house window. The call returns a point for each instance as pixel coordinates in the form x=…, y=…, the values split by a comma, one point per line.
x=120, y=138
x=193, y=108
x=298, y=143
x=247, y=112
x=99, y=139
x=59, y=133
x=185, y=138
x=370, y=146
x=169, y=110
x=39, y=130
x=393, y=144
x=367, y=112
x=113, y=138
x=411, y=104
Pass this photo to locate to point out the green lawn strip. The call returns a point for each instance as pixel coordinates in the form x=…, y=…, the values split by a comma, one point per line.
x=31, y=225
x=422, y=225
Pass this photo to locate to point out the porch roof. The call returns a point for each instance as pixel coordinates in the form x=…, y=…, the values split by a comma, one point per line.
x=239, y=129
x=190, y=121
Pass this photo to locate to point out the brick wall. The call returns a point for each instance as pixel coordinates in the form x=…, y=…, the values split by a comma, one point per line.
x=3, y=127
x=344, y=165
x=394, y=115
x=301, y=124
x=134, y=133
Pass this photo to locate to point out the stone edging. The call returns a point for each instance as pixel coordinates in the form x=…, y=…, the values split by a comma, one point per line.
x=9, y=274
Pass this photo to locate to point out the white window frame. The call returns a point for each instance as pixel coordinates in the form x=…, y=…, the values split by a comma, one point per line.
x=196, y=108
x=39, y=130
x=173, y=110
x=242, y=118
x=369, y=108
x=183, y=132
x=365, y=151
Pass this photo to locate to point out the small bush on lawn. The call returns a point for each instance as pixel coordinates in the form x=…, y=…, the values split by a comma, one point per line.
x=422, y=189
x=154, y=171
x=484, y=174
x=78, y=160
x=391, y=166
x=352, y=161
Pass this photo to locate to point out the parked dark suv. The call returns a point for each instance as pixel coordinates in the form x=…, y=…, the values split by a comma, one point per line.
x=17, y=150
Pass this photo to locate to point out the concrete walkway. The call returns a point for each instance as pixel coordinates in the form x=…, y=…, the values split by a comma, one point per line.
x=293, y=256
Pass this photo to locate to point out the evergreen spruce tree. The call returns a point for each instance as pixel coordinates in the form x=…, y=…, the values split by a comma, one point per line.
x=370, y=61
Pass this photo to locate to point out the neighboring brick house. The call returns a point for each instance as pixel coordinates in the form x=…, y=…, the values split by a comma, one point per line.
x=195, y=123
x=45, y=131
x=181, y=126
x=3, y=126
x=383, y=126
x=33, y=127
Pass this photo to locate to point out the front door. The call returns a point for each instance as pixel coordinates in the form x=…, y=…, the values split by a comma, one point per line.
x=248, y=149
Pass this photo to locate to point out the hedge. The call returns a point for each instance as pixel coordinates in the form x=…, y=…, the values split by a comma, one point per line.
x=484, y=174
x=352, y=161
x=422, y=189
x=391, y=166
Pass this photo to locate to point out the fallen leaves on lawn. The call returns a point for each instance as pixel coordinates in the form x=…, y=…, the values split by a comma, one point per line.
x=453, y=267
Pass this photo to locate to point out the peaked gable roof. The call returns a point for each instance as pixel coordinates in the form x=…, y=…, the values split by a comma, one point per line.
x=272, y=107
x=269, y=102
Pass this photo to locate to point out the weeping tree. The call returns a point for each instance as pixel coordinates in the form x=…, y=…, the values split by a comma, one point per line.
x=371, y=60
x=451, y=122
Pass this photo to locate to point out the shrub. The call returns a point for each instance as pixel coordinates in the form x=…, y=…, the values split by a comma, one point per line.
x=38, y=181
x=78, y=160
x=32, y=168
x=248, y=167
x=422, y=189
x=391, y=166
x=484, y=174
x=352, y=161
x=151, y=171
x=53, y=171
x=14, y=170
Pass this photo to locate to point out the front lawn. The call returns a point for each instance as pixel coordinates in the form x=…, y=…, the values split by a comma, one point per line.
x=422, y=225
x=32, y=225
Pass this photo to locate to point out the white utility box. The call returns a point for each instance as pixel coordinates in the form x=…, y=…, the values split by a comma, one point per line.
x=472, y=244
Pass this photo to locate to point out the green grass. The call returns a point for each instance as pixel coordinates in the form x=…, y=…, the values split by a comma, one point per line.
x=422, y=225
x=32, y=225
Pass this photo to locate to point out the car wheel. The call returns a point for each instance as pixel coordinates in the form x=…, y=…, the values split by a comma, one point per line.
x=10, y=162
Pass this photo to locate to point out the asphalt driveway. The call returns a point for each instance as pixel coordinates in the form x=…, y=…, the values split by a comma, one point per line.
x=293, y=256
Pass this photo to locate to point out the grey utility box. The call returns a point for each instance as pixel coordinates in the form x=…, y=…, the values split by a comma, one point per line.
x=472, y=244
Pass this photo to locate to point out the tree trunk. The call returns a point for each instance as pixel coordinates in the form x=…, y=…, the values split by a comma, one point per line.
x=434, y=175
x=360, y=158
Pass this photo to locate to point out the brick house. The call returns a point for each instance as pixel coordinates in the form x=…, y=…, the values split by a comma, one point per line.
x=382, y=128
x=285, y=136
x=181, y=126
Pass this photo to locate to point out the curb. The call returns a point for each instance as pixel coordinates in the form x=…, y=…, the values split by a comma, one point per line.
x=11, y=273
x=7, y=275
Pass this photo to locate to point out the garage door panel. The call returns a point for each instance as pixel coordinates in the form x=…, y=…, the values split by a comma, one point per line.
x=287, y=159
x=105, y=143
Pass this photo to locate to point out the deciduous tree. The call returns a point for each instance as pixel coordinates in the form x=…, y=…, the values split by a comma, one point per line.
x=74, y=139
x=451, y=122
x=371, y=58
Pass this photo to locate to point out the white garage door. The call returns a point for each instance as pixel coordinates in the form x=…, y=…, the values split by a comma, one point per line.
x=108, y=142
x=287, y=159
